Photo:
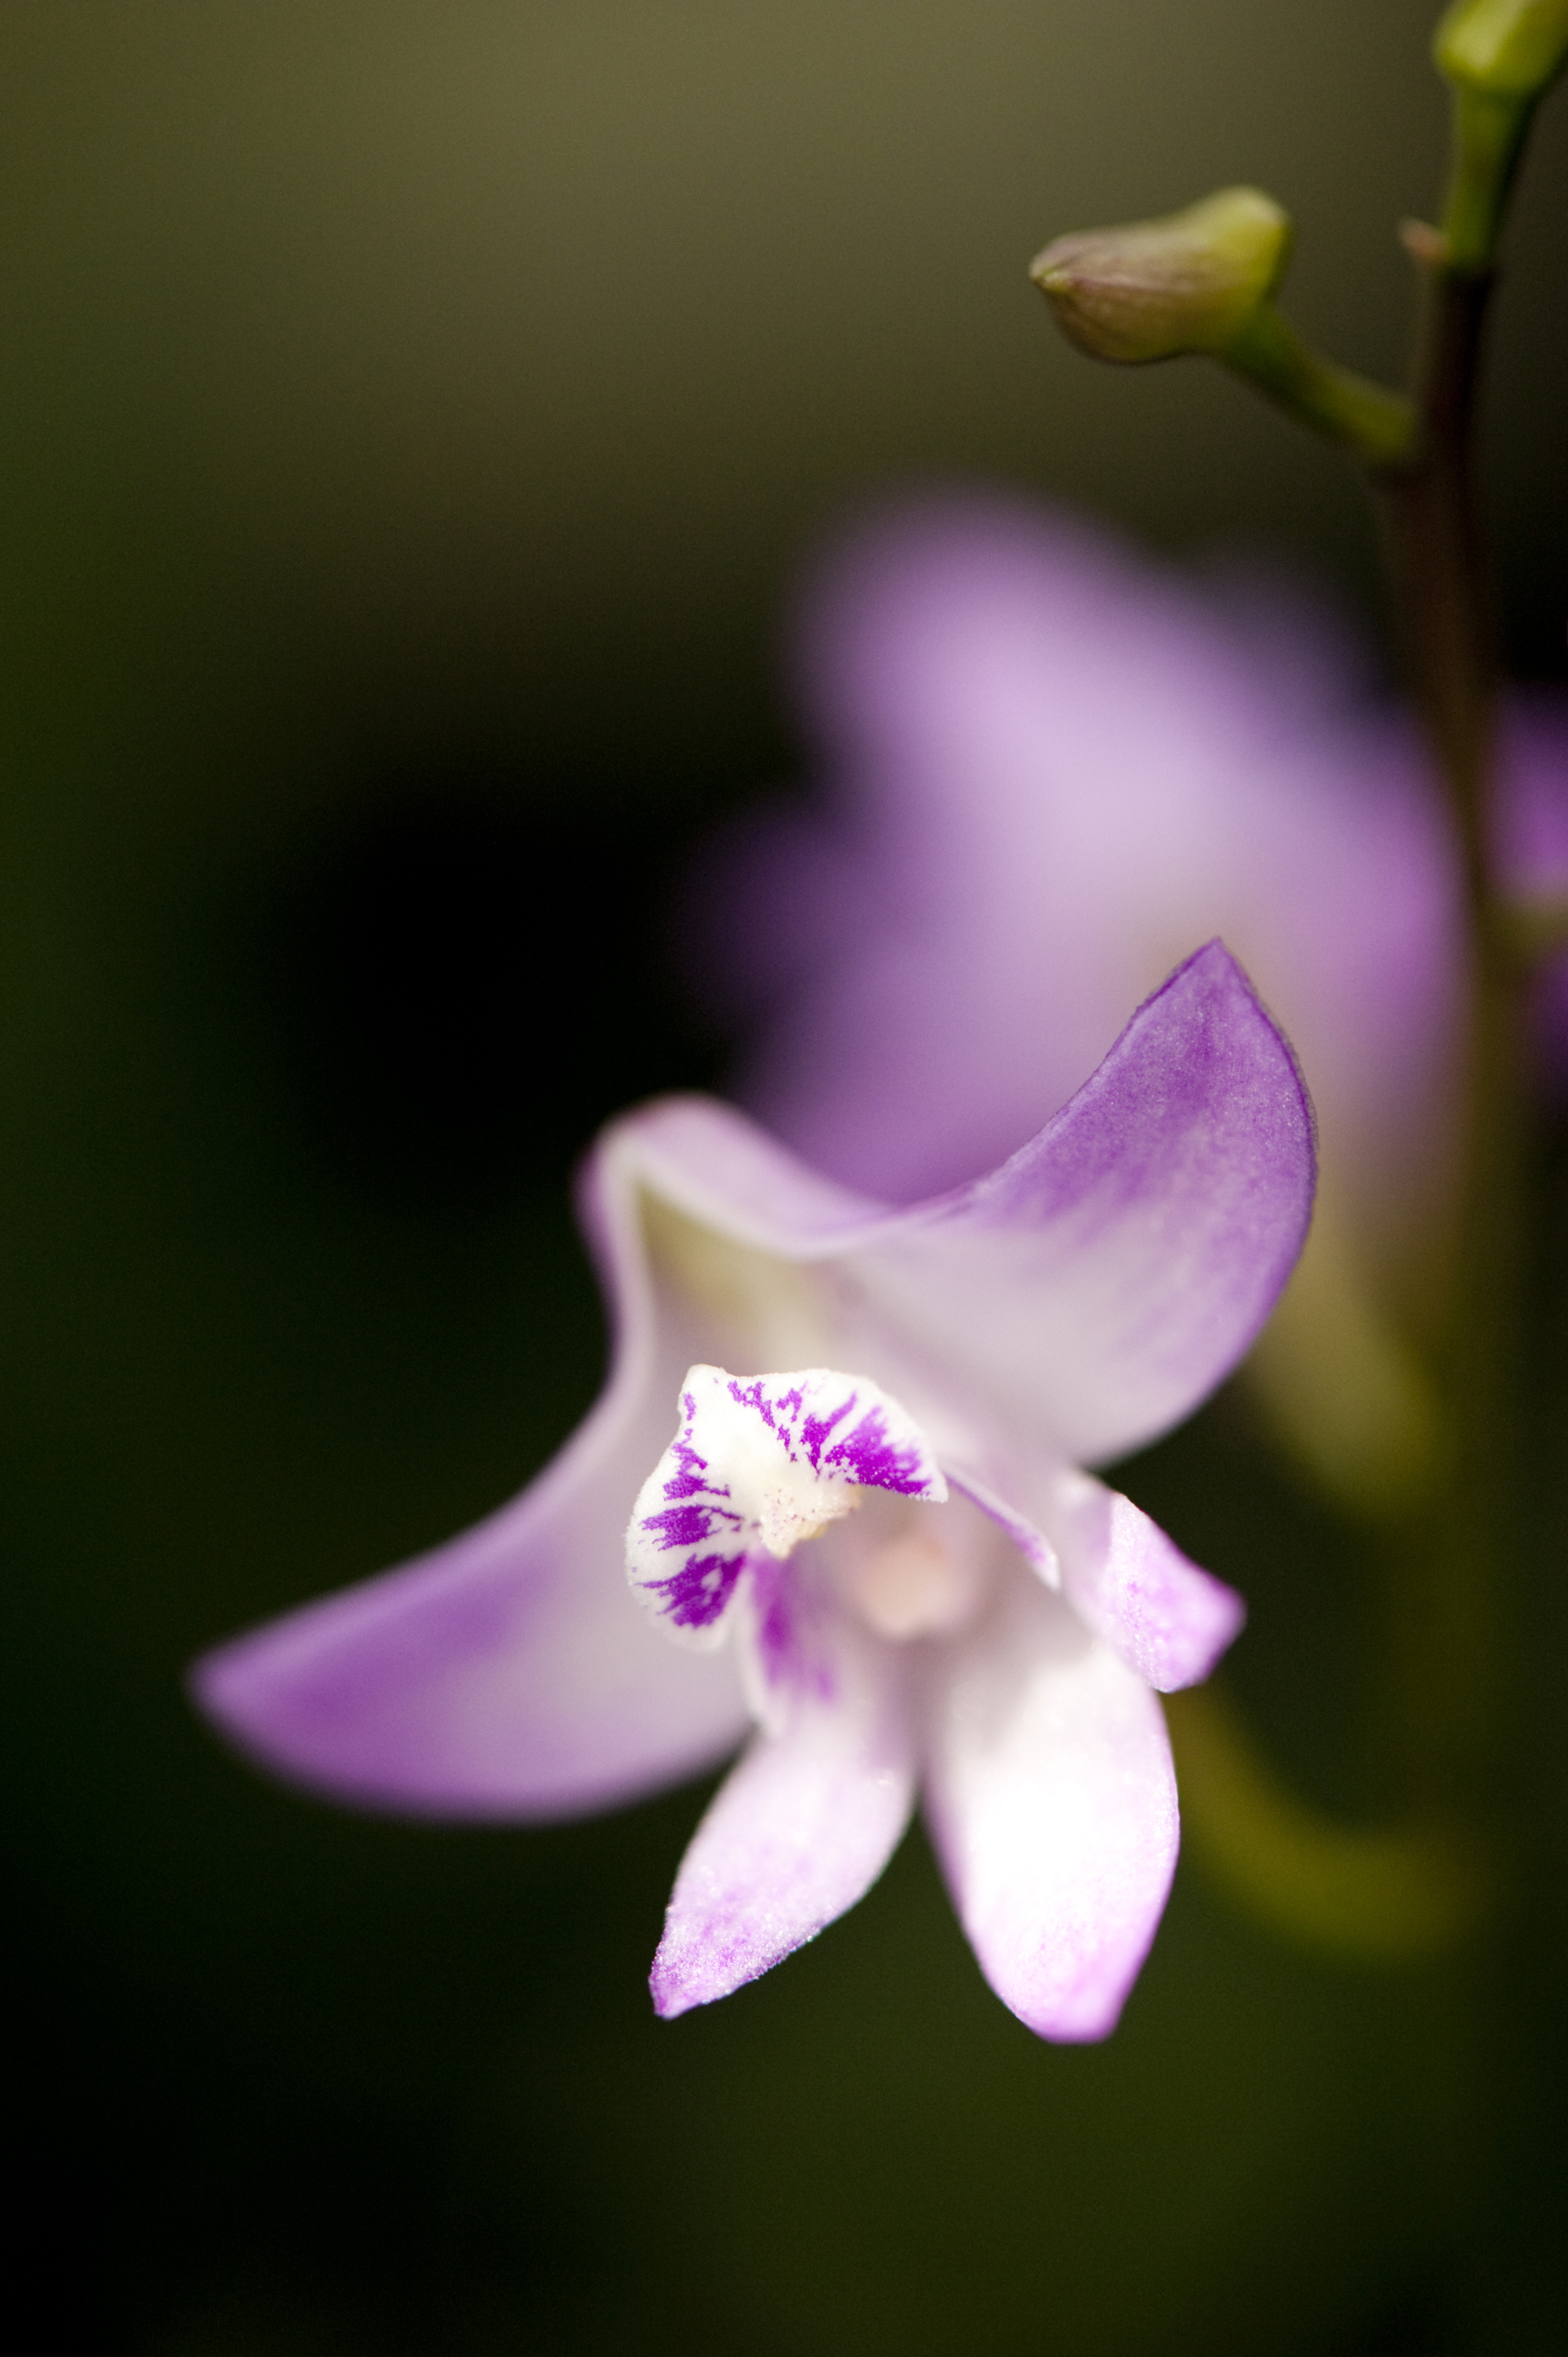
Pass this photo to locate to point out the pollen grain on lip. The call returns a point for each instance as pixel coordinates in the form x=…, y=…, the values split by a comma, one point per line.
x=788, y=1515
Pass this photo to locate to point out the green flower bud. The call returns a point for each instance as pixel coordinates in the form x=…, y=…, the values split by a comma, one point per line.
x=1507, y=48
x=1187, y=283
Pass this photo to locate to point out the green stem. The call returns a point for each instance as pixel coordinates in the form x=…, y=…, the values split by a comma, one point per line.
x=1378, y=425
x=1488, y=139
x=1396, y=1896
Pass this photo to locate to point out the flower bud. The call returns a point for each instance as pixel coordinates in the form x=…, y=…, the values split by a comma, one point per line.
x=1151, y=289
x=1507, y=48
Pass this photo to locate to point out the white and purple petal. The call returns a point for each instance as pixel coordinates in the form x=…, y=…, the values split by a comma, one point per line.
x=757, y=1464
x=689, y=1537
x=1052, y=1804
x=800, y=1829
x=844, y=1428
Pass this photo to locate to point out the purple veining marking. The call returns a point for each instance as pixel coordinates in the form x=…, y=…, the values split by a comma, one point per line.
x=783, y=1609
x=786, y=1414
x=871, y=1457
x=695, y=1596
x=691, y=1474
x=802, y=1447
x=685, y=1527
x=698, y=1593
x=866, y=1454
x=772, y=1590
x=817, y=1430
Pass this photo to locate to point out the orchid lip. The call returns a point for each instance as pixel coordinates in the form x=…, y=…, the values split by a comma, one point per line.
x=758, y=1465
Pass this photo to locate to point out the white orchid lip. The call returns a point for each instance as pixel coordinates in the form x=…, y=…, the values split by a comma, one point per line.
x=758, y=1465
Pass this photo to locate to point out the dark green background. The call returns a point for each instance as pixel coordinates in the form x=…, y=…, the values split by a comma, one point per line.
x=412, y=414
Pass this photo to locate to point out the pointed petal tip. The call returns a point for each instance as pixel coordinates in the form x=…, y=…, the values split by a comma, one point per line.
x=670, y=1996
x=1169, y=1619
x=1052, y=1801
x=798, y=1832
x=1076, y=2000
x=689, y=1972
x=1084, y=2015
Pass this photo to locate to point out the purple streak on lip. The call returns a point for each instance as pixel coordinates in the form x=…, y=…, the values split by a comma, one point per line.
x=871, y=1457
x=693, y=1473
x=719, y=1537
x=699, y=1593
x=866, y=1454
x=800, y=1432
x=687, y=1525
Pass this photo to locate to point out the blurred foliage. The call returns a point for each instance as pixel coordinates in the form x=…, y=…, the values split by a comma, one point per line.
x=410, y=416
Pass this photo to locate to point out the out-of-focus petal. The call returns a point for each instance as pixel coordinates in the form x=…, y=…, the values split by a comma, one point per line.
x=1052, y=1804
x=798, y=1832
x=509, y=1673
x=1046, y=768
x=1532, y=814
x=1168, y=1620
x=1097, y=1285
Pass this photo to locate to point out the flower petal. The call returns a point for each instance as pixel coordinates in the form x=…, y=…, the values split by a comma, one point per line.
x=1052, y=1804
x=797, y=1833
x=1101, y=1282
x=1098, y=1285
x=508, y=1673
x=1168, y=1620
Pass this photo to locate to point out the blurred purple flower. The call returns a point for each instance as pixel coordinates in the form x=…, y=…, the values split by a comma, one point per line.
x=989, y=1621
x=1046, y=768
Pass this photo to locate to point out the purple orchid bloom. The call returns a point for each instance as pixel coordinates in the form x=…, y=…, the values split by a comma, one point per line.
x=1046, y=765
x=870, y=1536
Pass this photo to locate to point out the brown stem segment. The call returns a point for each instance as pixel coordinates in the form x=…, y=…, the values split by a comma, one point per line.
x=1452, y=1571
x=1438, y=575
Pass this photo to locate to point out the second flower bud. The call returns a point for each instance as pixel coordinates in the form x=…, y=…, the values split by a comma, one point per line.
x=1187, y=282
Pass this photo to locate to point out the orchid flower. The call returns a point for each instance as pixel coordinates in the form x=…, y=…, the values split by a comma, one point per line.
x=871, y=1537
x=1045, y=765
